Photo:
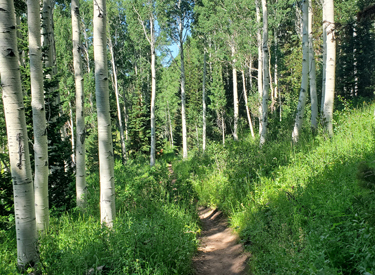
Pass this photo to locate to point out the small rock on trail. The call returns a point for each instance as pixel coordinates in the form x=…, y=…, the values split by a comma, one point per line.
x=219, y=252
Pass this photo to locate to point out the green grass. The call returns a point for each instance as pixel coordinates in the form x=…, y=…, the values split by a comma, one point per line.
x=306, y=209
x=298, y=209
x=154, y=232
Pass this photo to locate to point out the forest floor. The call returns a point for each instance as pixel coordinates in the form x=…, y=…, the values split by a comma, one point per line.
x=219, y=252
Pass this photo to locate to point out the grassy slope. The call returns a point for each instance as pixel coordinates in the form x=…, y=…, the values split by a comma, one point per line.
x=154, y=232
x=299, y=210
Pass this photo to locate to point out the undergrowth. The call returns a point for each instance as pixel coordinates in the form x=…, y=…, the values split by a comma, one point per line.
x=302, y=209
x=154, y=232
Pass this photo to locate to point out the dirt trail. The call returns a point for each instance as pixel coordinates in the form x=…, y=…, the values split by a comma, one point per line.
x=219, y=252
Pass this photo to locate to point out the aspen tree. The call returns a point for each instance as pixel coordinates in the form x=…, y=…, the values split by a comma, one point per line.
x=204, y=101
x=119, y=116
x=266, y=80
x=260, y=64
x=235, y=93
x=328, y=9
x=80, y=118
x=147, y=9
x=14, y=110
x=106, y=162
x=39, y=117
x=305, y=68
x=312, y=72
x=247, y=105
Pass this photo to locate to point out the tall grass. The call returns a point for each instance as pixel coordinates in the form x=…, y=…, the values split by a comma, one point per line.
x=298, y=209
x=154, y=232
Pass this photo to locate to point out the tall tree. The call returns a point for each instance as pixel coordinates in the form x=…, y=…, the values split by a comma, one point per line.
x=204, y=102
x=106, y=162
x=39, y=117
x=260, y=64
x=145, y=11
x=328, y=10
x=312, y=71
x=305, y=68
x=176, y=18
x=14, y=109
x=266, y=80
x=80, y=118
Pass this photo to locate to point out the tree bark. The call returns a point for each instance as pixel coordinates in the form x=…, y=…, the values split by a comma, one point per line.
x=80, y=118
x=260, y=65
x=330, y=65
x=247, y=106
x=39, y=117
x=119, y=116
x=153, y=92
x=14, y=110
x=312, y=72
x=324, y=57
x=204, y=102
x=305, y=69
x=235, y=95
x=106, y=162
x=265, y=75
x=183, y=96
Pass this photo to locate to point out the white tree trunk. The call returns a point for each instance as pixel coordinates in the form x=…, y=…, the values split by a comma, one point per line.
x=235, y=96
x=48, y=44
x=80, y=118
x=39, y=117
x=204, y=102
x=266, y=80
x=330, y=65
x=153, y=92
x=119, y=116
x=170, y=125
x=247, y=106
x=260, y=65
x=312, y=72
x=14, y=110
x=106, y=162
x=325, y=25
x=305, y=70
x=183, y=98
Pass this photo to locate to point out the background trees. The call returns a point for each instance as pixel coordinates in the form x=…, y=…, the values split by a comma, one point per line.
x=172, y=63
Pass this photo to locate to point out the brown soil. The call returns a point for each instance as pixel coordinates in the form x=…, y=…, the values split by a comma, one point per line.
x=219, y=252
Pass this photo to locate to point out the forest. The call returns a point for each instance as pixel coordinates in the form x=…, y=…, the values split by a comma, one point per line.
x=119, y=119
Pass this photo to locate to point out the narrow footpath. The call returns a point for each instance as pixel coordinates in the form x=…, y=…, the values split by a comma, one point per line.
x=219, y=252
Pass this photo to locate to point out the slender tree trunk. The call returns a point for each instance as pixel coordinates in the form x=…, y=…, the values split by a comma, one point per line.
x=247, y=106
x=14, y=110
x=81, y=188
x=265, y=74
x=183, y=96
x=39, y=117
x=119, y=116
x=223, y=127
x=170, y=124
x=305, y=70
x=48, y=44
x=235, y=95
x=87, y=57
x=312, y=73
x=330, y=65
x=153, y=93
x=204, y=102
x=325, y=25
x=106, y=162
x=260, y=65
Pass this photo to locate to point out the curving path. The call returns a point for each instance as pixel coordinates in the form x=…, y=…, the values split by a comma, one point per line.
x=219, y=252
